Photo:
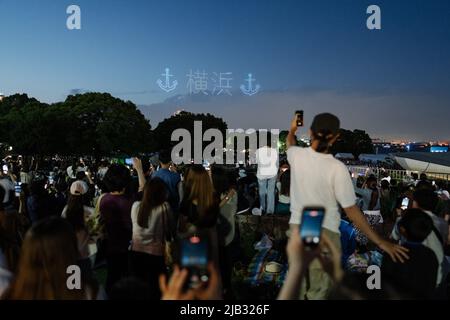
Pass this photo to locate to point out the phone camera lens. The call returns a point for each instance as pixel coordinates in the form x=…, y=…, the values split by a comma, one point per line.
x=204, y=278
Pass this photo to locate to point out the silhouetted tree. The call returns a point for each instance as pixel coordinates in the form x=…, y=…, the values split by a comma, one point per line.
x=84, y=124
x=355, y=142
x=185, y=120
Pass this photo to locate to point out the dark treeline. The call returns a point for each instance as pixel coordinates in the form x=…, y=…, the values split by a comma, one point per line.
x=98, y=124
x=94, y=124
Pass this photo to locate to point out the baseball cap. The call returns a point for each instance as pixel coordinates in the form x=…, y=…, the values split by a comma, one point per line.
x=78, y=188
x=326, y=122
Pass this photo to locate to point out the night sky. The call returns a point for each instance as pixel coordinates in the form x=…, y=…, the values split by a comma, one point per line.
x=312, y=55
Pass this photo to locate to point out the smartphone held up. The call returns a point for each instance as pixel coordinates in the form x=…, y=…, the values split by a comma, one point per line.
x=405, y=203
x=194, y=257
x=311, y=226
x=129, y=161
x=299, y=114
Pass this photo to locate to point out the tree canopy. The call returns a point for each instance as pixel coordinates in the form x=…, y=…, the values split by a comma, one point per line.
x=185, y=120
x=99, y=124
x=355, y=142
x=84, y=124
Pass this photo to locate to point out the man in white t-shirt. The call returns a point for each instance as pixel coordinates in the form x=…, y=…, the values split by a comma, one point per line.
x=267, y=161
x=318, y=179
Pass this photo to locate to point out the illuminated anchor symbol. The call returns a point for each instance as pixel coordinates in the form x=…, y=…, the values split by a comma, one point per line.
x=167, y=87
x=249, y=90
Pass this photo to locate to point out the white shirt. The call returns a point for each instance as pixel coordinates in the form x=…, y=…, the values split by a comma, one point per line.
x=388, y=179
x=267, y=161
x=102, y=172
x=70, y=172
x=25, y=177
x=151, y=239
x=318, y=179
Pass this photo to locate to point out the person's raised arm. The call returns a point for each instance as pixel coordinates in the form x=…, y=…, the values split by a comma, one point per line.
x=290, y=138
x=345, y=195
x=137, y=164
x=299, y=260
x=396, y=252
x=89, y=177
x=227, y=198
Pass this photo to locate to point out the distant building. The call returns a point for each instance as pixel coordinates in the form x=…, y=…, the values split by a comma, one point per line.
x=375, y=158
x=387, y=147
x=2, y=96
x=438, y=149
x=344, y=156
x=418, y=147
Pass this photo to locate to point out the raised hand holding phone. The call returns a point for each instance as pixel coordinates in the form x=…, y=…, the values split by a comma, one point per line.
x=137, y=163
x=211, y=290
x=311, y=226
x=405, y=203
x=297, y=121
x=299, y=261
x=195, y=258
x=299, y=115
x=173, y=289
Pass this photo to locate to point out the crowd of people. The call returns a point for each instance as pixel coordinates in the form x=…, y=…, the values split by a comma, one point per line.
x=128, y=220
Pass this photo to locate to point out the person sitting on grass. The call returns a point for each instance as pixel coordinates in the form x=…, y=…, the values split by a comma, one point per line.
x=416, y=275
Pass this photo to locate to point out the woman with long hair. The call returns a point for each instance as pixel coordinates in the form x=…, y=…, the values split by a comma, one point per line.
x=199, y=206
x=49, y=249
x=284, y=186
x=152, y=221
x=199, y=209
x=77, y=213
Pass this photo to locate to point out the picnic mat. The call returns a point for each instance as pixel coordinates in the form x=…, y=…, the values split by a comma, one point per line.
x=257, y=275
x=359, y=262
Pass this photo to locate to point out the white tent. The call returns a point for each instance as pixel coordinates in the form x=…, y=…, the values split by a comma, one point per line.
x=374, y=157
x=424, y=162
x=345, y=156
